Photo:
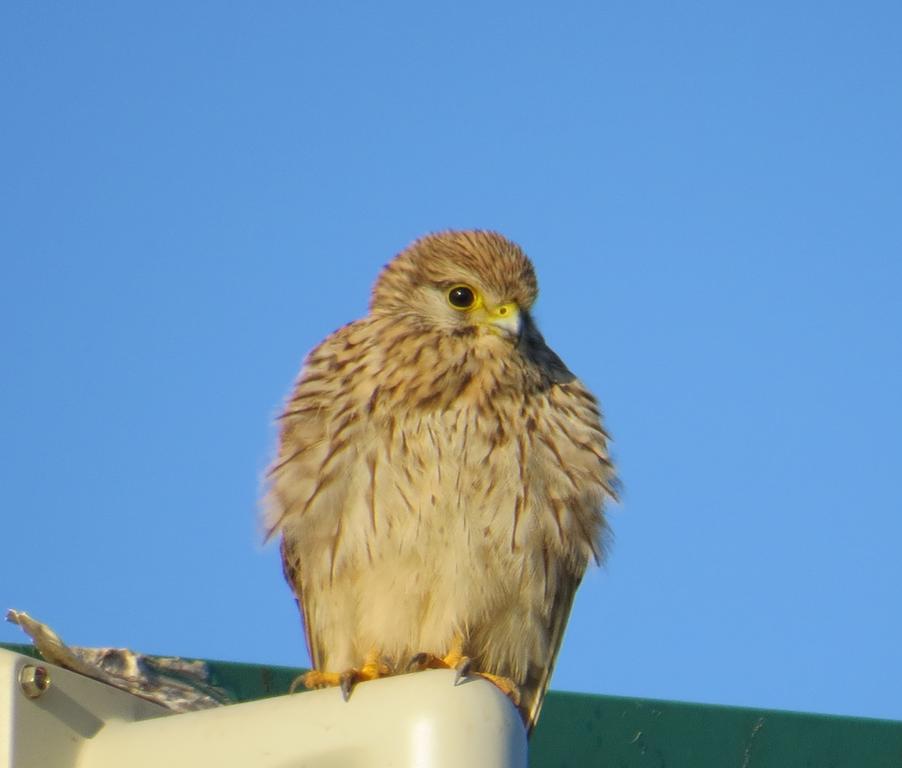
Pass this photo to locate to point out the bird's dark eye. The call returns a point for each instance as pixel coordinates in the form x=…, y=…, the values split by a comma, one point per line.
x=461, y=297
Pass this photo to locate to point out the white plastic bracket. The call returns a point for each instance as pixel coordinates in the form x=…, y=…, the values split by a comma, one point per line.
x=419, y=720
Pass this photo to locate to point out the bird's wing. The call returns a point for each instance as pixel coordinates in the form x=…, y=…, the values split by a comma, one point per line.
x=315, y=428
x=292, y=570
x=533, y=692
x=291, y=478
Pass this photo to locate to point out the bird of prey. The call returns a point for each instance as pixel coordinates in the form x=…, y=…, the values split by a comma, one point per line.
x=440, y=478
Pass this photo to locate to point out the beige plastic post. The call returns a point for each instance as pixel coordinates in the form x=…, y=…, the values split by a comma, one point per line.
x=420, y=720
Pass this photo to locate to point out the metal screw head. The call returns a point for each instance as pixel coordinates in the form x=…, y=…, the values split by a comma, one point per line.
x=34, y=680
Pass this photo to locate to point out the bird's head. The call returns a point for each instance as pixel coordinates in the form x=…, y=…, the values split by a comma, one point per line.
x=459, y=282
x=468, y=284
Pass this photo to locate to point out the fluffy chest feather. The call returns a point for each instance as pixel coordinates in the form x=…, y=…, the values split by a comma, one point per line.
x=414, y=508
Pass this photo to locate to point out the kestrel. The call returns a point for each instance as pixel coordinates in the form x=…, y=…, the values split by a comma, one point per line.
x=441, y=476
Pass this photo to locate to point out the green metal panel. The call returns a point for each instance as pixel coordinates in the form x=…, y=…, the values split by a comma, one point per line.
x=615, y=732
x=581, y=730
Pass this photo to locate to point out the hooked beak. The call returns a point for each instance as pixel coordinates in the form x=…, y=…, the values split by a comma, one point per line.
x=507, y=319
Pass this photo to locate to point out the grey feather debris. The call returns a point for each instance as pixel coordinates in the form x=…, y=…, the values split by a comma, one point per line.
x=181, y=685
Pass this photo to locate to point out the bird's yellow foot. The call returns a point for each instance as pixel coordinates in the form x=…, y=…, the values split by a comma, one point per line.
x=463, y=665
x=504, y=684
x=372, y=669
x=450, y=660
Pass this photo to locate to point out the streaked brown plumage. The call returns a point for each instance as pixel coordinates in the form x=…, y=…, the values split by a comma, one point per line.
x=441, y=474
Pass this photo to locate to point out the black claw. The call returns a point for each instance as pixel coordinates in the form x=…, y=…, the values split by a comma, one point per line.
x=347, y=682
x=418, y=661
x=463, y=669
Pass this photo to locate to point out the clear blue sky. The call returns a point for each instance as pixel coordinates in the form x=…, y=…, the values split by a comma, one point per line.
x=193, y=194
